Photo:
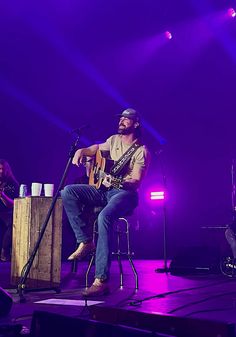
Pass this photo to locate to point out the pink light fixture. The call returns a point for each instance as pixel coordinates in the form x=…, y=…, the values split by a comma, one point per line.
x=157, y=195
x=168, y=35
x=231, y=12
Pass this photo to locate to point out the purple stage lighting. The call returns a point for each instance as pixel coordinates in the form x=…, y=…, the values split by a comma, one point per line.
x=168, y=35
x=231, y=12
x=157, y=195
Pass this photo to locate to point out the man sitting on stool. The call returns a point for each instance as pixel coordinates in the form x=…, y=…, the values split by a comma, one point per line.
x=117, y=200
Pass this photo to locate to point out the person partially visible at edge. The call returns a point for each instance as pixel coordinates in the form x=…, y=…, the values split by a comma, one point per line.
x=115, y=202
x=9, y=188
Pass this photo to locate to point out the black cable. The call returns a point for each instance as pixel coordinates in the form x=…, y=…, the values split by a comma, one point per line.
x=138, y=302
x=200, y=301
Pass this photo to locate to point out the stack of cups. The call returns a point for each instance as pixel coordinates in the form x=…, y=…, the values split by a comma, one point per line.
x=36, y=189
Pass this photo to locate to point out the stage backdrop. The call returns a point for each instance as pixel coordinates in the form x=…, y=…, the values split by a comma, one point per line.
x=72, y=63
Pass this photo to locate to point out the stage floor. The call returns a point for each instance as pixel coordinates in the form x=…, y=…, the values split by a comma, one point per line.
x=206, y=296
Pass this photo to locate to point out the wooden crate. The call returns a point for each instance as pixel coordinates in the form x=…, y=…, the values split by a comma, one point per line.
x=28, y=218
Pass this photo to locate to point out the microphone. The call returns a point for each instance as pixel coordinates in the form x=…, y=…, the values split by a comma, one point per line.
x=79, y=130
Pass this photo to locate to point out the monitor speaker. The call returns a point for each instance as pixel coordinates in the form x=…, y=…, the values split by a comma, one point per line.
x=196, y=260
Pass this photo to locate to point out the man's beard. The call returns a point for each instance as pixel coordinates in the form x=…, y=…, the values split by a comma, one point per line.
x=125, y=131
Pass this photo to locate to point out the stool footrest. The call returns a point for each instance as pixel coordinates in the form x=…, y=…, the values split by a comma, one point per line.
x=122, y=240
x=123, y=253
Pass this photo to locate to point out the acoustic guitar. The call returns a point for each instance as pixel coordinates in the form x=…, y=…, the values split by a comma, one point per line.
x=99, y=174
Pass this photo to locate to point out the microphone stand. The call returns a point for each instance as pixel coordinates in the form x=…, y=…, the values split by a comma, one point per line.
x=228, y=264
x=21, y=287
x=165, y=268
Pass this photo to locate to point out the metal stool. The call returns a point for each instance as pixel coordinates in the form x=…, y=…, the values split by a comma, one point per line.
x=122, y=227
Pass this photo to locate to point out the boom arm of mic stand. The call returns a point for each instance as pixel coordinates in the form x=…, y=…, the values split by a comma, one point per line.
x=26, y=269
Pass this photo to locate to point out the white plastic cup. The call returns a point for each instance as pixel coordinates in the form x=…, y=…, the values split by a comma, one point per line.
x=36, y=189
x=48, y=190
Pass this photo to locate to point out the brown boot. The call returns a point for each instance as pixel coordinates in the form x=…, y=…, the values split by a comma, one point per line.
x=97, y=288
x=82, y=251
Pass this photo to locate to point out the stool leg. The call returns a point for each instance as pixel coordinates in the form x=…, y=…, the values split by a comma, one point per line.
x=74, y=266
x=88, y=270
x=130, y=256
x=74, y=263
x=134, y=271
x=119, y=258
x=93, y=254
x=129, y=253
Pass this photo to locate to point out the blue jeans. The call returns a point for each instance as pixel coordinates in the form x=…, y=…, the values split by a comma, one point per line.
x=116, y=203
